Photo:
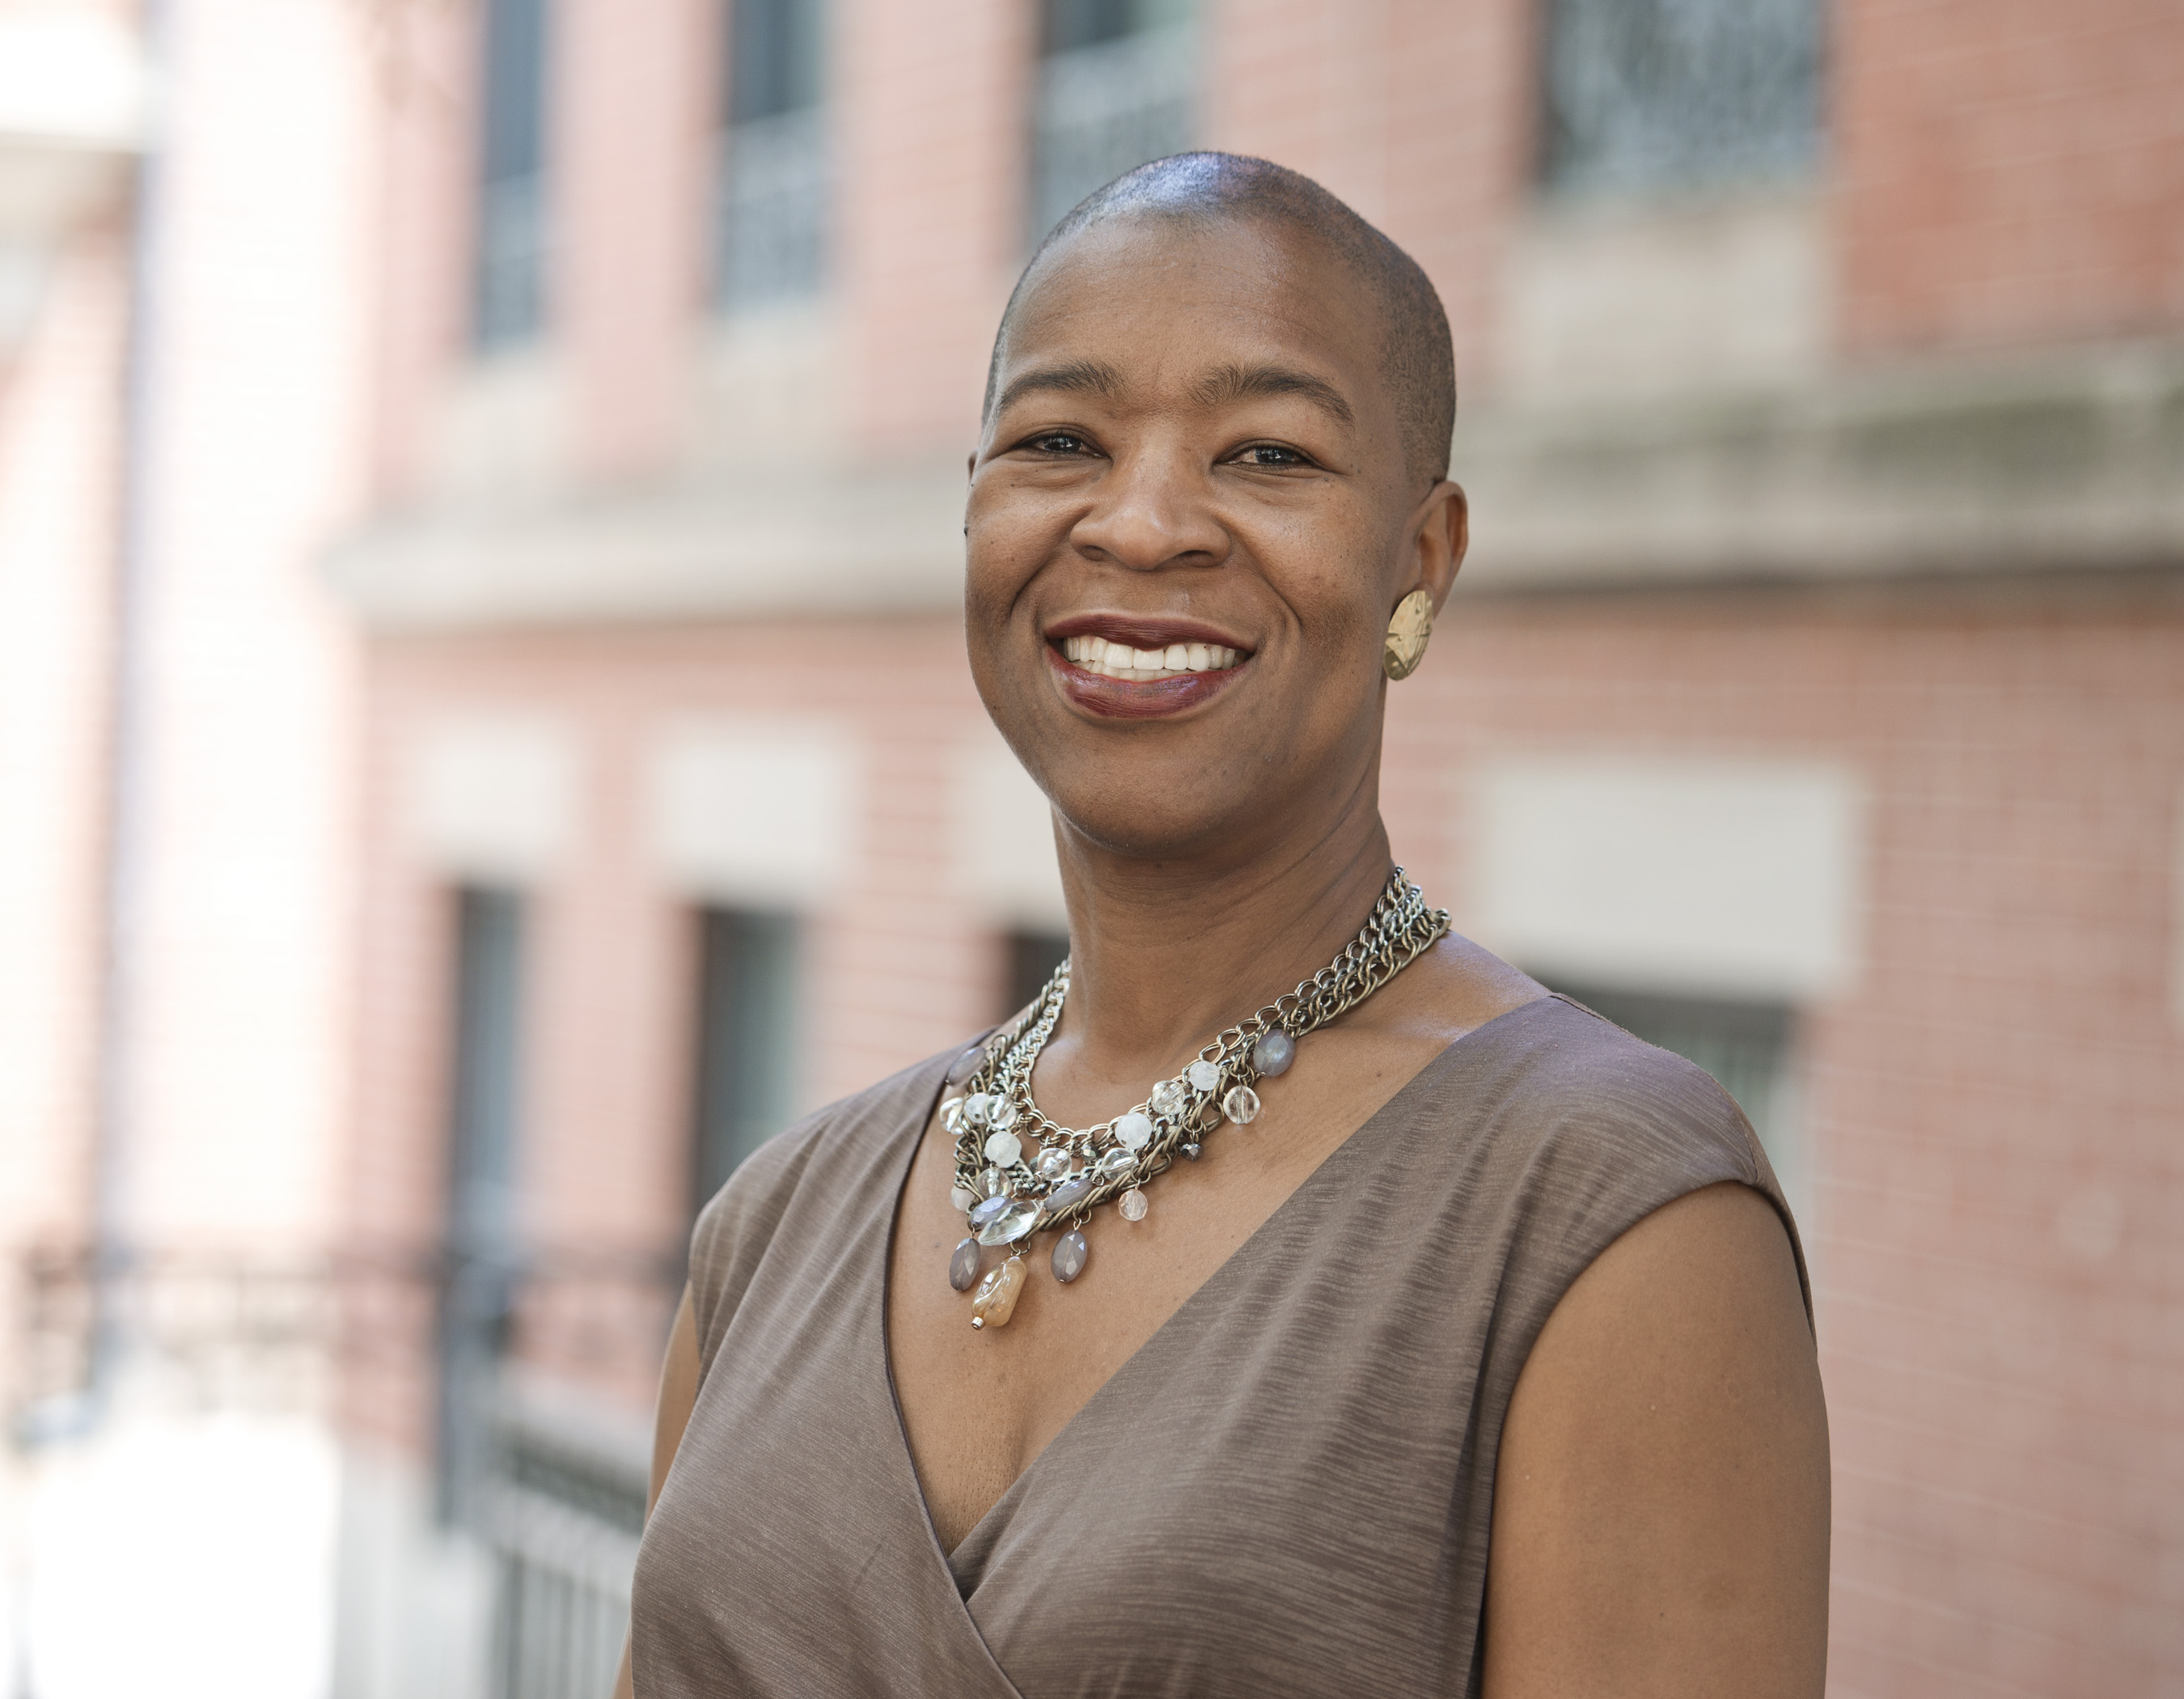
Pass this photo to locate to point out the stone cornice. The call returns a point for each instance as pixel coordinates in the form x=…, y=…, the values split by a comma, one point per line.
x=2068, y=461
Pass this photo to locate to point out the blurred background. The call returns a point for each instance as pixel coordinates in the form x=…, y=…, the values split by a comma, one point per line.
x=484, y=736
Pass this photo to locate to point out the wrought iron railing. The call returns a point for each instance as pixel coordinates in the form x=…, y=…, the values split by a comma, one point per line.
x=554, y=1491
x=1651, y=96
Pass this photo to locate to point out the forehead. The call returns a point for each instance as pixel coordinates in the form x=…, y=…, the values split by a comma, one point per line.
x=1162, y=299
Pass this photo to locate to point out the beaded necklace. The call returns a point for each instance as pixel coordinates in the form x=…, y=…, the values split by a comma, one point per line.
x=1007, y=1190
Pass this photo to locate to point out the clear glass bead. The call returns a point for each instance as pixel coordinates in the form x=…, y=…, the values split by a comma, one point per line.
x=952, y=1114
x=1133, y=1206
x=1001, y=1220
x=1241, y=1105
x=1053, y=1165
x=1001, y=1112
x=1204, y=1076
x=1168, y=1097
x=1134, y=1131
x=975, y=1107
x=992, y=1183
x=1116, y=1162
x=1002, y=1149
x=962, y=1197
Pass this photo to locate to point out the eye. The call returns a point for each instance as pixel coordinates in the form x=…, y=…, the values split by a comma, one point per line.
x=1058, y=442
x=1273, y=456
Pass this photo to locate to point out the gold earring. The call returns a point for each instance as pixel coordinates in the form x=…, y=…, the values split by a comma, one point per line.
x=1408, y=632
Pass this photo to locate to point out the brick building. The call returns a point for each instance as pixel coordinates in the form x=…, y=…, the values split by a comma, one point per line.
x=1813, y=700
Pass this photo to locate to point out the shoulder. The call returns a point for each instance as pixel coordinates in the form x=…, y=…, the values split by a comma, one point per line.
x=818, y=1176
x=1582, y=1130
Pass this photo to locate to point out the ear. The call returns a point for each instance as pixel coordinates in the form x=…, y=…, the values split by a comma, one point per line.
x=1440, y=533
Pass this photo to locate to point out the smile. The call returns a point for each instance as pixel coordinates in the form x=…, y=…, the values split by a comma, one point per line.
x=1122, y=667
x=1116, y=659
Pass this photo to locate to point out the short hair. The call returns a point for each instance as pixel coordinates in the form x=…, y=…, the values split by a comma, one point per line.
x=1417, y=359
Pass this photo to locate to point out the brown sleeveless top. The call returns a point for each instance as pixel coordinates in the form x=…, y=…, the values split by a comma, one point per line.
x=1288, y=1489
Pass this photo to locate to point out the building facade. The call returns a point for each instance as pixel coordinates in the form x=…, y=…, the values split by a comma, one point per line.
x=1813, y=701
x=560, y=770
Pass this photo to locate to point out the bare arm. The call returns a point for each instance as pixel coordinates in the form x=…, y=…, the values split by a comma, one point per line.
x=1661, y=1502
x=678, y=1392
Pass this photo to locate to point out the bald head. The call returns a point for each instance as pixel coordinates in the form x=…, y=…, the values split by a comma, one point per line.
x=1417, y=361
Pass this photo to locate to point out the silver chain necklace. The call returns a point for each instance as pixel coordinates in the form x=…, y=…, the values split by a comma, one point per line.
x=1007, y=1190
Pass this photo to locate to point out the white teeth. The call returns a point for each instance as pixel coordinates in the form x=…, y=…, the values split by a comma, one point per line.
x=1121, y=660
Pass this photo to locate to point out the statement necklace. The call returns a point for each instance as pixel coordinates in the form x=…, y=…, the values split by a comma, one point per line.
x=1009, y=1188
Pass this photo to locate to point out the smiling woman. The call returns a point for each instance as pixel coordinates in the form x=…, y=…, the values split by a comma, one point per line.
x=1370, y=1261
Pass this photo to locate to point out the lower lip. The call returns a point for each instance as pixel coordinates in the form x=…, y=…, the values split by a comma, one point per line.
x=1138, y=698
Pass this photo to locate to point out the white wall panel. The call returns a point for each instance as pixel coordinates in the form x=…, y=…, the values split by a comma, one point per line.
x=758, y=812
x=1003, y=831
x=494, y=797
x=1723, y=878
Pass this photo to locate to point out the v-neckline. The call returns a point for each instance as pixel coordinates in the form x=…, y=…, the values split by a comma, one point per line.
x=1101, y=1393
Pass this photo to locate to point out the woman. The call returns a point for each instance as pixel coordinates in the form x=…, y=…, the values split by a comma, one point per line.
x=1258, y=1360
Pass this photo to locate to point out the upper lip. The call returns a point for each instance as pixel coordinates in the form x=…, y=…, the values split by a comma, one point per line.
x=1144, y=630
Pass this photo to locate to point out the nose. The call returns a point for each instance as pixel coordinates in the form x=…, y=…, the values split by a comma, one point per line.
x=1152, y=511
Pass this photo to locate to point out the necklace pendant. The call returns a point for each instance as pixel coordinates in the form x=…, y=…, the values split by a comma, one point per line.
x=1133, y=1206
x=995, y=1300
x=1070, y=1253
x=963, y=1266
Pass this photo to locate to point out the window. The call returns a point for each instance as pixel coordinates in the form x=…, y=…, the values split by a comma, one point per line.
x=1746, y=1046
x=1645, y=96
x=508, y=286
x=1032, y=956
x=770, y=229
x=1117, y=86
x=483, y=1122
x=746, y=1040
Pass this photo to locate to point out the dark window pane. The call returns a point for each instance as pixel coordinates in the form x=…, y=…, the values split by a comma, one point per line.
x=1032, y=956
x=1117, y=87
x=770, y=223
x=1083, y=23
x=776, y=54
x=484, y=1123
x=1661, y=95
x=746, y=1040
x=507, y=288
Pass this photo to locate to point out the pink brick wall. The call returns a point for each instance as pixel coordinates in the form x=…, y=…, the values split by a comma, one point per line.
x=2011, y=170
x=1993, y=1111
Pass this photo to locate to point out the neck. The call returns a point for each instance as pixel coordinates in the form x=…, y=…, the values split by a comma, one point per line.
x=1166, y=953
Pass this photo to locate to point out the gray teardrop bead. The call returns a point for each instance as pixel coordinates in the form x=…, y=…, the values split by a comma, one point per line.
x=1068, y=1195
x=1273, y=1053
x=963, y=1266
x=1070, y=1251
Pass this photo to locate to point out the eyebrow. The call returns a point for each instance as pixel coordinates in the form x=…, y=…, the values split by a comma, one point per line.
x=1082, y=376
x=1231, y=383
x=1224, y=386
